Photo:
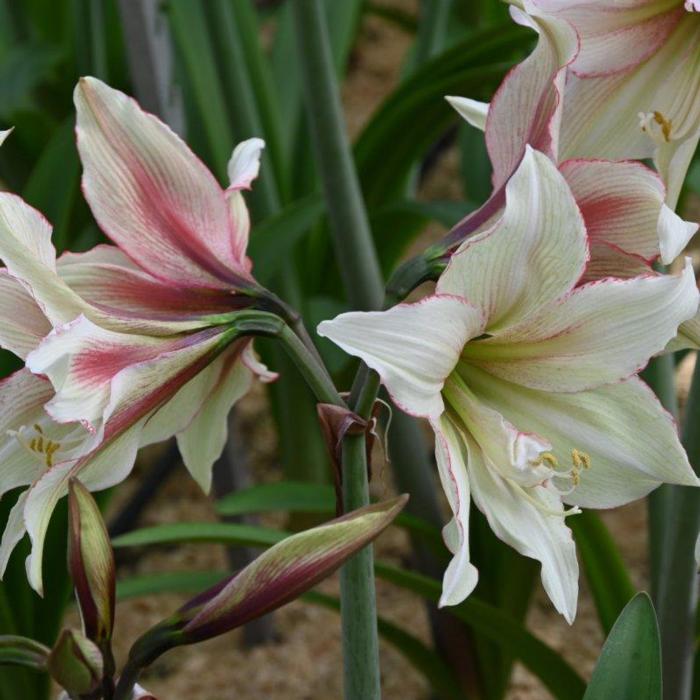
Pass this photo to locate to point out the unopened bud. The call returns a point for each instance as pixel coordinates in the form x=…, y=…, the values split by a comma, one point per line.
x=91, y=563
x=75, y=663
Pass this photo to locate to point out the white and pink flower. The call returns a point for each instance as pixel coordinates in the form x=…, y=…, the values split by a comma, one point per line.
x=129, y=344
x=528, y=378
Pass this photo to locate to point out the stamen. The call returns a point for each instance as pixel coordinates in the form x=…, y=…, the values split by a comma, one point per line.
x=36, y=446
x=656, y=125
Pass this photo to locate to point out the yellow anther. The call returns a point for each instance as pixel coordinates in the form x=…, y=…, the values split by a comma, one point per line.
x=665, y=125
x=575, y=478
x=581, y=460
x=550, y=459
x=38, y=429
x=32, y=445
x=40, y=444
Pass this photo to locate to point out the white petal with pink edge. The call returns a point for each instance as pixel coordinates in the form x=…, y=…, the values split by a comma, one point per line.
x=22, y=322
x=632, y=442
x=623, y=205
x=603, y=332
x=202, y=441
x=108, y=466
x=244, y=165
x=413, y=347
x=473, y=111
x=461, y=576
x=531, y=520
x=526, y=109
x=151, y=194
x=534, y=254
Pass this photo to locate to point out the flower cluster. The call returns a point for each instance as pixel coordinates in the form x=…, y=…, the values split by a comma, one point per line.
x=125, y=344
x=525, y=358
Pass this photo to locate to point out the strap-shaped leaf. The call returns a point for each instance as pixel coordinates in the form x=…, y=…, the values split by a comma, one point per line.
x=629, y=667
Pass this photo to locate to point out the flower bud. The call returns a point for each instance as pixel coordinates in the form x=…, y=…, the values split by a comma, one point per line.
x=276, y=577
x=75, y=663
x=91, y=563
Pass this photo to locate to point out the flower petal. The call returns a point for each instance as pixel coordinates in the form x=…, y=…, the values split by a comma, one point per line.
x=461, y=575
x=527, y=106
x=13, y=533
x=623, y=205
x=632, y=441
x=602, y=114
x=202, y=441
x=22, y=322
x=151, y=194
x=110, y=465
x=109, y=281
x=22, y=399
x=473, y=111
x=615, y=36
x=413, y=347
x=514, y=517
x=609, y=261
x=603, y=332
x=535, y=253
x=244, y=165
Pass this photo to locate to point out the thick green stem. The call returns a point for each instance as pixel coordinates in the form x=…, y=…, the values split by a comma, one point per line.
x=677, y=592
x=362, y=278
x=352, y=236
x=660, y=375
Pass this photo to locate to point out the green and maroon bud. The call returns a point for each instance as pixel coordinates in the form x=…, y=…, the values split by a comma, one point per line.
x=75, y=663
x=276, y=577
x=91, y=563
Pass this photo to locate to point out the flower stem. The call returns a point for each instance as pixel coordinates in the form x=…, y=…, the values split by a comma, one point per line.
x=677, y=593
x=363, y=282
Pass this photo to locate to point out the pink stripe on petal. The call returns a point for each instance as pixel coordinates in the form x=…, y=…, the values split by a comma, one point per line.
x=151, y=194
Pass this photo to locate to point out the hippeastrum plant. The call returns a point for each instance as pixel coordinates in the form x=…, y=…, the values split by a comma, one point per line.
x=124, y=345
x=624, y=203
x=528, y=379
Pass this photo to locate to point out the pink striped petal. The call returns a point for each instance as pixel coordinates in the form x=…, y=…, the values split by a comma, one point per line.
x=109, y=281
x=527, y=106
x=616, y=36
x=151, y=195
x=83, y=362
x=623, y=205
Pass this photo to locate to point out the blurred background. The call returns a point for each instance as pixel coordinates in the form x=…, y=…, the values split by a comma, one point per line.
x=220, y=71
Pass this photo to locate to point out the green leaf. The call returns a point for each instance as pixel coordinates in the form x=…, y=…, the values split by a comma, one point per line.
x=275, y=238
x=605, y=571
x=22, y=651
x=292, y=496
x=629, y=667
x=53, y=182
x=424, y=659
x=225, y=533
x=21, y=72
x=413, y=117
x=193, y=42
x=300, y=497
x=556, y=674
x=421, y=657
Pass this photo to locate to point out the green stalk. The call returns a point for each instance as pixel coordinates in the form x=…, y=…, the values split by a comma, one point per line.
x=362, y=278
x=352, y=236
x=660, y=377
x=677, y=585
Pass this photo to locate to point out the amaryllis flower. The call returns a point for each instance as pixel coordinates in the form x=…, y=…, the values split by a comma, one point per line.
x=634, y=88
x=529, y=379
x=625, y=204
x=124, y=345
